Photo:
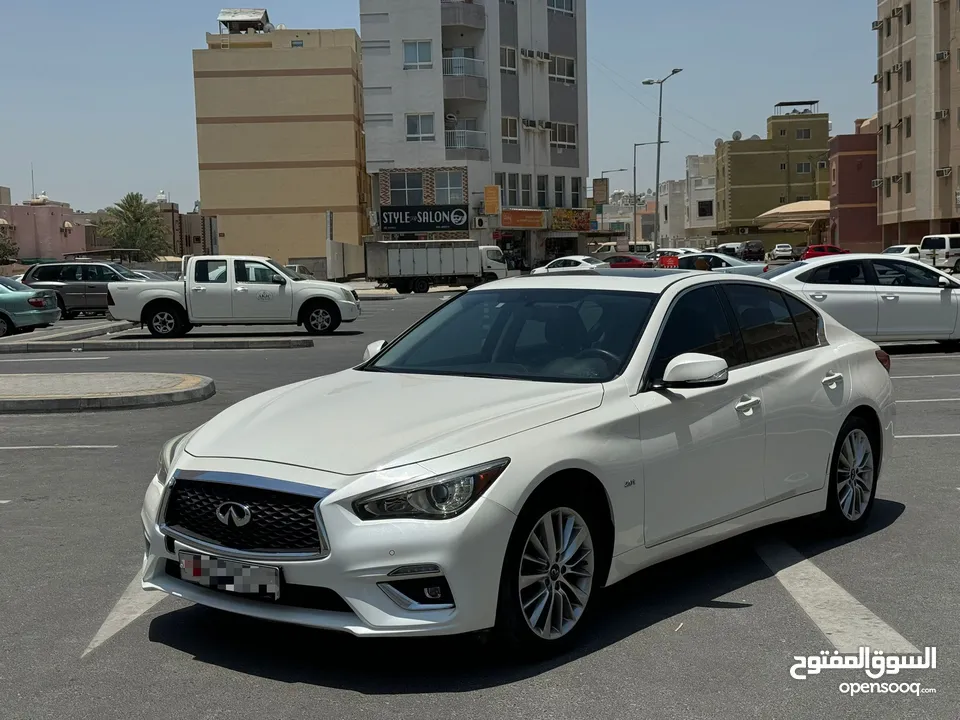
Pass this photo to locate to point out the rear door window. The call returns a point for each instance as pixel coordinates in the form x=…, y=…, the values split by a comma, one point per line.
x=71, y=273
x=897, y=272
x=766, y=325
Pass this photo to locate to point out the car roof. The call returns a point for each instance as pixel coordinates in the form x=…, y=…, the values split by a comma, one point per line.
x=803, y=265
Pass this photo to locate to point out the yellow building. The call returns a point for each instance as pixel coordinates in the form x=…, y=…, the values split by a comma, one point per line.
x=280, y=140
x=757, y=174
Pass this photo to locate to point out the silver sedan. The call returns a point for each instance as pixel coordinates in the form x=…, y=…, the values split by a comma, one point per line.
x=717, y=262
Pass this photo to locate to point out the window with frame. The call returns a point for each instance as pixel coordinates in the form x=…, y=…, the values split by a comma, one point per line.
x=417, y=55
x=897, y=272
x=563, y=69
x=513, y=189
x=887, y=186
x=887, y=133
x=406, y=189
x=543, y=182
x=849, y=272
x=563, y=135
x=561, y=6
x=449, y=184
x=420, y=128
x=253, y=272
x=803, y=133
x=806, y=319
x=704, y=208
x=783, y=132
x=803, y=168
x=576, y=192
x=559, y=191
x=296, y=43
x=697, y=323
x=766, y=325
x=821, y=164
x=100, y=273
x=907, y=183
x=908, y=126
x=907, y=14
x=510, y=130
x=526, y=190
x=508, y=60
x=886, y=81
x=907, y=71
x=783, y=166
x=887, y=26
x=500, y=179
x=210, y=271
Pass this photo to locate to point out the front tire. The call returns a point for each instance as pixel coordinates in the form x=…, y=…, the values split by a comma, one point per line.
x=6, y=327
x=321, y=318
x=554, y=565
x=853, y=477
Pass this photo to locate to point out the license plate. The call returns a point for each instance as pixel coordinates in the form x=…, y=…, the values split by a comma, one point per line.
x=230, y=575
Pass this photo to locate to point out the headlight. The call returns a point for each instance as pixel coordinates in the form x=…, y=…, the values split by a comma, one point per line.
x=168, y=453
x=347, y=294
x=436, y=498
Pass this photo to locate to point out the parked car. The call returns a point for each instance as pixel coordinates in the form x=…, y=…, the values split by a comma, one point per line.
x=150, y=275
x=751, y=250
x=799, y=250
x=941, y=251
x=23, y=309
x=783, y=251
x=815, y=251
x=80, y=286
x=912, y=251
x=627, y=261
x=504, y=489
x=233, y=290
x=885, y=299
x=729, y=248
x=720, y=263
x=571, y=262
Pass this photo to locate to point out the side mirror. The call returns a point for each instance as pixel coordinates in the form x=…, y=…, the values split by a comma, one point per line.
x=373, y=349
x=695, y=370
x=279, y=279
x=944, y=282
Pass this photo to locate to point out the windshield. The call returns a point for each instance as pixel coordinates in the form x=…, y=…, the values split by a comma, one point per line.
x=566, y=335
x=782, y=269
x=11, y=284
x=123, y=272
x=592, y=261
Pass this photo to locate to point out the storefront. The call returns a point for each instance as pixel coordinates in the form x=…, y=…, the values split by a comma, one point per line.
x=568, y=233
x=516, y=236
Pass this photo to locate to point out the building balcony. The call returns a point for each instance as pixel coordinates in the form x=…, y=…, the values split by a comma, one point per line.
x=464, y=79
x=463, y=14
x=466, y=145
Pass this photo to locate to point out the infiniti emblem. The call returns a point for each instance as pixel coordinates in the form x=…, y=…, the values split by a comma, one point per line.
x=233, y=513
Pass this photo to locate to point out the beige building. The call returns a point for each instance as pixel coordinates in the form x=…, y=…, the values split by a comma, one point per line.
x=757, y=174
x=918, y=92
x=280, y=140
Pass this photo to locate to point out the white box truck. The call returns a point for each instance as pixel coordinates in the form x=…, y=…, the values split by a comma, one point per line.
x=417, y=265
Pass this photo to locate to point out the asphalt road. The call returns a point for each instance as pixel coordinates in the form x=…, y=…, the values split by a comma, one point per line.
x=710, y=635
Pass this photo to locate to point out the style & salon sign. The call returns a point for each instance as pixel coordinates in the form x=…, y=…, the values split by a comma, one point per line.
x=424, y=218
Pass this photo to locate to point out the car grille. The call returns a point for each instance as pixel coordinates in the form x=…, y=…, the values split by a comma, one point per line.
x=279, y=522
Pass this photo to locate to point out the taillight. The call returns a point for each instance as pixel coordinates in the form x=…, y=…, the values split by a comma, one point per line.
x=766, y=267
x=884, y=359
x=36, y=302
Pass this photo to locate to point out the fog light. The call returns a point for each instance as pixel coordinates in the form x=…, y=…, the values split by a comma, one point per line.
x=433, y=593
x=430, y=593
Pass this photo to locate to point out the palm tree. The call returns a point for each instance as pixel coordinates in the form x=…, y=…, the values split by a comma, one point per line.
x=134, y=223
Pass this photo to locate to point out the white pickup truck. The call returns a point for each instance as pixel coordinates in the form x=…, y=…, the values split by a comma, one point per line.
x=233, y=290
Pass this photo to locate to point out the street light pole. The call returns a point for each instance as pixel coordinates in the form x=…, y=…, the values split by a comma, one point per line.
x=660, y=82
x=635, y=146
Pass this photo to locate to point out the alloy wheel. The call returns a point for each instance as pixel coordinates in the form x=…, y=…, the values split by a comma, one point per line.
x=556, y=573
x=320, y=319
x=855, y=474
x=4, y=328
x=164, y=322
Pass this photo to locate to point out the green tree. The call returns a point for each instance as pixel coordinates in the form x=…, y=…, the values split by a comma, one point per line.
x=8, y=250
x=135, y=223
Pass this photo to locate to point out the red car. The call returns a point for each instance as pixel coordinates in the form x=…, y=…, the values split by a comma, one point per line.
x=815, y=251
x=628, y=261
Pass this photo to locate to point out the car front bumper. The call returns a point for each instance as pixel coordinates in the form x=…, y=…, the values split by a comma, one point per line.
x=349, y=311
x=468, y=551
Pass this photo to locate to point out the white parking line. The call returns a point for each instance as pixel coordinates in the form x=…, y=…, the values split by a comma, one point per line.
x=55, y=359
x=920, y=437
x=846, y=623
x=134, y=602
x=59, y=447
x=922, y=377
x=903, y=402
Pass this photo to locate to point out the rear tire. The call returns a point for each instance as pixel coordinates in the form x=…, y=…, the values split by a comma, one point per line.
x=421, y=286
x=321, y=317
x=956, y=268
x=6, y=327
x=64, y=314
x=853, y=477
x=559, y=579
x=167, y=321
x=404, y=287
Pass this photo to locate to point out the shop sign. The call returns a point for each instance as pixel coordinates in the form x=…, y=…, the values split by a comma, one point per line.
x=533, y=219
x=571, y=219
x=424, y=218
x=491, y=199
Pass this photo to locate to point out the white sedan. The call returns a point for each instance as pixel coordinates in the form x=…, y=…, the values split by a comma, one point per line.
x=881, y=297
x=571, y=262
x=912, y=251
x=536, y=440
x=783, y=251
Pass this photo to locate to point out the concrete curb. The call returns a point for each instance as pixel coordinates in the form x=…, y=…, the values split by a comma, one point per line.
x=203, y=389
x=141, y=345
x=80, y=334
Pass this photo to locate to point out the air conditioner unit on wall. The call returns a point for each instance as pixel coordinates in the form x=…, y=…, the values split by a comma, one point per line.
x=944, y=172
x=525, y=53
x=545, y=125
x=877, y=183
x=897, y=12
x=897, y=67
x=529, y=124
x=897, y=178
x=941, y=114
x=876, y=24
x=942, y=55
x=878, y=78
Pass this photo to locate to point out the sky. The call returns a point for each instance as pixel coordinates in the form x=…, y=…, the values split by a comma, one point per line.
x=98, y=96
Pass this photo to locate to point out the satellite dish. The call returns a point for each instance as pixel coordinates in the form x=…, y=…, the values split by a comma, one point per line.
x=269, y=27
x=281, y=26
x=718, y=142
x=451, y=119
x=737, y=134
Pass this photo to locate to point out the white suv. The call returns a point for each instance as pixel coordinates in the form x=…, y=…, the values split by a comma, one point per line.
x=941, y=251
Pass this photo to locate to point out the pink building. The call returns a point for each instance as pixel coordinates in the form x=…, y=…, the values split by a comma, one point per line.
x=42, y=229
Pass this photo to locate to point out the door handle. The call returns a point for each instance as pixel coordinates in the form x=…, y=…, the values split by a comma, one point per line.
x=747, y=404
x=819, y=296
x=832, y=379
x=198, y=288
x=92, y=287
x=891, y=297
x=240, y=289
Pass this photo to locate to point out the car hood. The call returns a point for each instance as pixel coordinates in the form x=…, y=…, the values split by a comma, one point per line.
x=323, y=285
x=355, y=422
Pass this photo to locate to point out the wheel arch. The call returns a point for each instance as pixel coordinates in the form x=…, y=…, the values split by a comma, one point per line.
x=310, y=300
x=155, y=303
x=872, y=418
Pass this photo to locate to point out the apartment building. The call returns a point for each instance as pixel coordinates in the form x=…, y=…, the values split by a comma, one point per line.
x=461, y=95
x=280, y=140
x=754, y=175
x=918, y=103
x=853, y=195
x=700, y=196
x=672, y=201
